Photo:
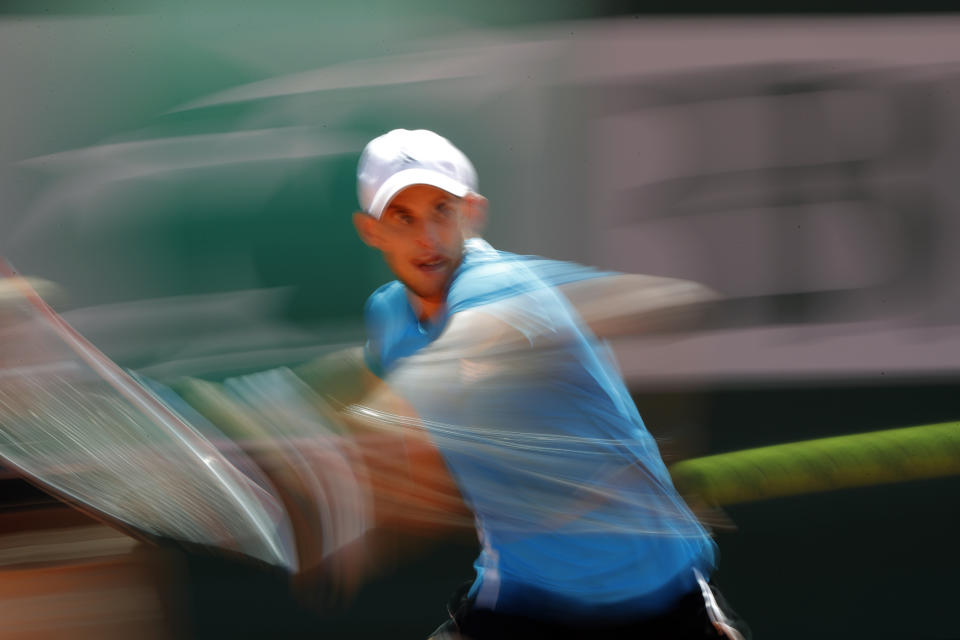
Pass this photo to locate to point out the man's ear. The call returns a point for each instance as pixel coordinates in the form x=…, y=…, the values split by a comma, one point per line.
x=475, y=213
x=368, y=229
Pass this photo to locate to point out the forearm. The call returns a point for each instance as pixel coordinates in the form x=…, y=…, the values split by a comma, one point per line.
x=622, y=304
x=355, y=431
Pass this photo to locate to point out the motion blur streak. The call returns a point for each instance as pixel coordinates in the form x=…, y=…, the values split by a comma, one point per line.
x=449, y=64
x=109, y=598
x=93, y=170
x=76, y=423
x=186, y=177
x=807, y=179
x=344, y=455
x=327, y=444
x=865, y=459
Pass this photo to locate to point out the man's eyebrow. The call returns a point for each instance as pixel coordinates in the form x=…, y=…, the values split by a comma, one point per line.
x=397, y=208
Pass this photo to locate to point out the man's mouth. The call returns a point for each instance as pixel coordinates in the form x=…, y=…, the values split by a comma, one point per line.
x=435, y=263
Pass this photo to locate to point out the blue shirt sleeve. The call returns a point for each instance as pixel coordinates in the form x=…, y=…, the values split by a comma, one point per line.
x=374, y=316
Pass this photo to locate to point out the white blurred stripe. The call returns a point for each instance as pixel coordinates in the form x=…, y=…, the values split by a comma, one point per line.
x=48, y=367
x=378, y=72
x=123, y=160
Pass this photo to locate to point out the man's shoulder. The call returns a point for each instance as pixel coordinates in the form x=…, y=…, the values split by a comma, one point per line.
x=489, y=275
x=380, y=314
x=385, y=297
x=486, y=275
x=387, y=291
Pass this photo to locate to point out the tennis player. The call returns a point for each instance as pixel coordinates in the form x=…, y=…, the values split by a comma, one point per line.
x=582, y=532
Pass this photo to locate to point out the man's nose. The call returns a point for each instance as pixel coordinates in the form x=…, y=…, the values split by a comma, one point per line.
x=429, y=235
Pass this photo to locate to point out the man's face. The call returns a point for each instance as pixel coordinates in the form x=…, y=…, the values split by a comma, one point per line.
x=421, y=235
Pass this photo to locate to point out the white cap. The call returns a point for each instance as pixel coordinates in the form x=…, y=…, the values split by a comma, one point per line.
x=401, y=158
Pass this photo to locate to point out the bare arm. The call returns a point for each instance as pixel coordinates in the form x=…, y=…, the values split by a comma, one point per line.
x=627, y=303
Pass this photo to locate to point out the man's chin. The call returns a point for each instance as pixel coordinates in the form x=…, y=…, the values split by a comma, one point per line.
x=431, y=292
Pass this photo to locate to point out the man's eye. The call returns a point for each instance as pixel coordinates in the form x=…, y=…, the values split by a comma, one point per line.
x=405, y=218
x=444, y=209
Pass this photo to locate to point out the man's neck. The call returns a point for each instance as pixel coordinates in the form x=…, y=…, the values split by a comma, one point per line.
x=423, y=308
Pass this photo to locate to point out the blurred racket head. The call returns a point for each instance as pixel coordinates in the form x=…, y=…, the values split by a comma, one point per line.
x=76, y=424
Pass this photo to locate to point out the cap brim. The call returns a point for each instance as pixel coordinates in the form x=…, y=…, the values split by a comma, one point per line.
x=408, y=177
